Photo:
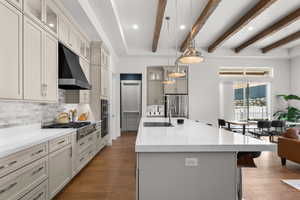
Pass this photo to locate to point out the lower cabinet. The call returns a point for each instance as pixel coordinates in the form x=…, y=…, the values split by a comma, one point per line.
x=38, y=193
x=60, y=169
x=17, y=184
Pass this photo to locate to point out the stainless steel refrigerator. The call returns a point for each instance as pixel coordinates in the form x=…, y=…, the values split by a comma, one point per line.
x=179, y=105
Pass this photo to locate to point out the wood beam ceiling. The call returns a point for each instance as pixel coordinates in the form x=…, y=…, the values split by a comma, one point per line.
x=206, y=13
x=288, y=39
x=241, y=23
x=161, y=7
x=282, y=23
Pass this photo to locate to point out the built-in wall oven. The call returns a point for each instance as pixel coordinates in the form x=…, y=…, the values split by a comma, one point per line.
x=104, y=117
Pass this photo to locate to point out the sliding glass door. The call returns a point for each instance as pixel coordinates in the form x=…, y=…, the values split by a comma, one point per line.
x=251, y=101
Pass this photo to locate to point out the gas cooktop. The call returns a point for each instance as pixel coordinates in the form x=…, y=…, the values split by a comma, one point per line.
x=68, y=125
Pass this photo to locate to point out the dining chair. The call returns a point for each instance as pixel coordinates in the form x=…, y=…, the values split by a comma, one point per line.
x=263, y=129
x=278, y=128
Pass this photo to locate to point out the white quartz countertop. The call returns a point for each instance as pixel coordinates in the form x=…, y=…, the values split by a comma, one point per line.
x=194, y=136
x=19, y=138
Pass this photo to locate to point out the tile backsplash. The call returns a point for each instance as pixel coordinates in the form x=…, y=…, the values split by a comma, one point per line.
x=16, y=113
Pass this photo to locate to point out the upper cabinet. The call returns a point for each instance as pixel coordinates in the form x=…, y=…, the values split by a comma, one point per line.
x=104, y=58
x=34, y=9
x=51, y=17
x=73, y=39
x=44, y=12
x=40, y=64
x=10, y=52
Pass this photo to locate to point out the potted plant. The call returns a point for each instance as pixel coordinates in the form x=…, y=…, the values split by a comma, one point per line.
x=290, y=113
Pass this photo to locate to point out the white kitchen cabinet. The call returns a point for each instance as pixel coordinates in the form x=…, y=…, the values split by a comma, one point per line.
x=64, y=30
x=85, y=94
x=104, y=58
x=33, y=63
x=60, y=169
x=17, y=184
x=40, y=64
x=17, y=3
x=34, y=9
x=10, y=52
x=38, y=193
x=104, y=82
x=51, y=17
x=50, y=68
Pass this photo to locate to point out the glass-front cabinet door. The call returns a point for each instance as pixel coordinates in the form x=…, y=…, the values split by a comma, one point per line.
x=51, y=18
x=34, y=8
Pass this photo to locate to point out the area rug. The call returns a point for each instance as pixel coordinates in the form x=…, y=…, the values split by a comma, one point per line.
x=295, y=183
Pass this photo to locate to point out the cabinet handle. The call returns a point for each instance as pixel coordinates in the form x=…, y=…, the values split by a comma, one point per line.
x=2, y=167
x=36, y=171
x=38, y=152
x=8, y=188
x=81, y=144
x=61, y=142
x=81, y=159
x=38, y=196
x=12, y=163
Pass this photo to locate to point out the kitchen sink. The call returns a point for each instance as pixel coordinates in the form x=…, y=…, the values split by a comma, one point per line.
x=157, y=124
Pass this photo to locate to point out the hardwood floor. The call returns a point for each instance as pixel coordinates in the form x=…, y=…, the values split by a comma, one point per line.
x=111, y=176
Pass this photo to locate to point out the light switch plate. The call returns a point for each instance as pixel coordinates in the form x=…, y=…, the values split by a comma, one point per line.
x=191, y=162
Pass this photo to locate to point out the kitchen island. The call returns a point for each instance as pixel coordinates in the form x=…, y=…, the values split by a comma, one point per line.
x=192, y=161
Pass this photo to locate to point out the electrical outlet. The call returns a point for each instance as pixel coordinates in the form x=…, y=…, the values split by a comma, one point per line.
x=191, y=162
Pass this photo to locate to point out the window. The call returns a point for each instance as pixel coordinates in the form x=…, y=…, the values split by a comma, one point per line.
x=250, y=101
x=245, y=72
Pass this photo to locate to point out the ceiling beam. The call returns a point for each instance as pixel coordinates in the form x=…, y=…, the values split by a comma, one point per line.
x=282, y=23
x=161, y=7
x=288, y=39
x=241, y=23
x=206, y=13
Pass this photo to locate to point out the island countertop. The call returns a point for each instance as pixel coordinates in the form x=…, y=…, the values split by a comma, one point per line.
x=194, y=136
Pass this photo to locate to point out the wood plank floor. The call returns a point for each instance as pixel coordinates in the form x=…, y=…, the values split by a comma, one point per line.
x=111, y=176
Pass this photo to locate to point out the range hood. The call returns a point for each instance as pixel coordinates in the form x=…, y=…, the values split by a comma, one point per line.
x=71, y=75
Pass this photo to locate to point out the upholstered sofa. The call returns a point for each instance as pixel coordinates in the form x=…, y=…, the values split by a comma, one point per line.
x=289, y=149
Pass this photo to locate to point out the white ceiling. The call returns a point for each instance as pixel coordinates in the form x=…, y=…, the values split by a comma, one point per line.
x=118, y=16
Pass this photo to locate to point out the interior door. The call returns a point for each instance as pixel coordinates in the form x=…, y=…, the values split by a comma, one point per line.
x=131, y=104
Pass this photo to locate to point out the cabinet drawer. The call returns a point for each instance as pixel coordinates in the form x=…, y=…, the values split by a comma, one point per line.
x=85, y=157
x=17, y=184
x=84, y=143
x=38, y=193
x=58, y=143
x=19, y=159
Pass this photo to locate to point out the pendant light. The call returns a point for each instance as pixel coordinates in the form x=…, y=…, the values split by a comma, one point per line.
x=177, y=73
x=191, y=55
x=168, y=80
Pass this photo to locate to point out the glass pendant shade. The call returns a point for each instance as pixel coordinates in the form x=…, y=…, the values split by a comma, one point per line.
x=168, y=81
x=191, y=55
x=177, y=73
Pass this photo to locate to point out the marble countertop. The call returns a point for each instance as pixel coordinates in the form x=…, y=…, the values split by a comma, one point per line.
x=19, y=138
x=194, y=136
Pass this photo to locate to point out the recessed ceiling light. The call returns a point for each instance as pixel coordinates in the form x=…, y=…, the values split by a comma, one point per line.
x=51, y=25
x=250, y=28
x=135, y=26
x=182, y=27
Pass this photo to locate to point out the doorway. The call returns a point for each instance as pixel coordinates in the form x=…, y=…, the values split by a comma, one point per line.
x=131, y=101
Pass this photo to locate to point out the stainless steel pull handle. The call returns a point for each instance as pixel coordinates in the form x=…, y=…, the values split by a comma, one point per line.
x=2, y=167
x=38, y=152
x=61, y=142
x=8, y=188
x=12, y=163
x=36, y=171
x=38, y=196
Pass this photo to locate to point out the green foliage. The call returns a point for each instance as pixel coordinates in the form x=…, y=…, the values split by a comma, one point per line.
x=291, y=113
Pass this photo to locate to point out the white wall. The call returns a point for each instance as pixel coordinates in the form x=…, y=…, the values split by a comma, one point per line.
x=295, y=79
x=204, y=82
